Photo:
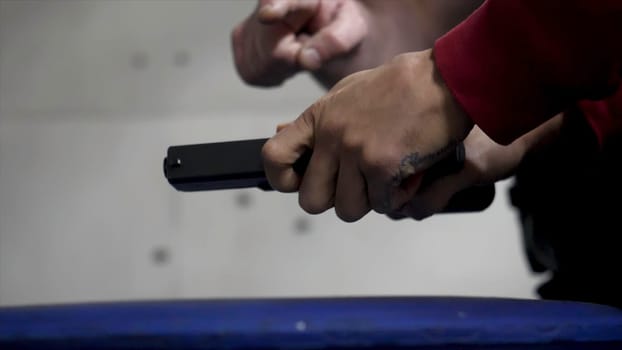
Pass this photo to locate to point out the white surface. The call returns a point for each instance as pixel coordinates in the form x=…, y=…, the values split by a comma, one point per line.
x=90, y=97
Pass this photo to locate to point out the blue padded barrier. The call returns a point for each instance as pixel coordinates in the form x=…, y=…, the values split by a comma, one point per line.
x=315, y=323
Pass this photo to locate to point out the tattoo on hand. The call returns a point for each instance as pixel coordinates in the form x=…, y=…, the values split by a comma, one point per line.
x=410, y=165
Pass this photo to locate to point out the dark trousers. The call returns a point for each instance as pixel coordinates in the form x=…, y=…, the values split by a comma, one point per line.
x=568, y=197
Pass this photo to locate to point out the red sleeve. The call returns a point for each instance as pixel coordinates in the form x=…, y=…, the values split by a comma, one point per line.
x=515, y=63
x=605, y=116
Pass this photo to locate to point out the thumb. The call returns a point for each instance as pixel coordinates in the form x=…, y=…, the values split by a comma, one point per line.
x=338, y=38
x=282, y=150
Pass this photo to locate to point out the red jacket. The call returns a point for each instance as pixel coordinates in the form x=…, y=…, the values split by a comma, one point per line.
x=515, y=63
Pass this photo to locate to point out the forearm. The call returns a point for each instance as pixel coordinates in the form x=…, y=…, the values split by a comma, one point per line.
x=394, y=27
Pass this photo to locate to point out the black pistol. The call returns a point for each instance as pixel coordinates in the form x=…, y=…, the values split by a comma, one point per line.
x=238, y=164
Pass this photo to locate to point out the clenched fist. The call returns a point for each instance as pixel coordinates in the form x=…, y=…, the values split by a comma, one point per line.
x=283, y=37
x=372, y=135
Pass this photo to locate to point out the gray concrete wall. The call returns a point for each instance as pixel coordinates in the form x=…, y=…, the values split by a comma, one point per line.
x=91, y=95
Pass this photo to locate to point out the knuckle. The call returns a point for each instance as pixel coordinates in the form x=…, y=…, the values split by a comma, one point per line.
x=270, y=152
x=262, y=71
x=396, y=215
x=247, y=75
x=310, y=115
x=331, y=128
x=348, y=214
x=337, y=43
x=379, y=204
x=312, y=205
x=351, y=142
x=370, y=159
x=281, y=56
x=258, y=62
x=419, y=216
x=418, y=210
x=380, y=163
x=382, y=175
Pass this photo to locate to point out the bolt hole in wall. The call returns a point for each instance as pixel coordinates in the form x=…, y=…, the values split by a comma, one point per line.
x=91, y=95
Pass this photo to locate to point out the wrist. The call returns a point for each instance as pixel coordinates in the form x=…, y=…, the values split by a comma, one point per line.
x=458, y=122
x=419, y=81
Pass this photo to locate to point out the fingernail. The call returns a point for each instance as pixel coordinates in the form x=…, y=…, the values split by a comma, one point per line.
x=310, y=59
